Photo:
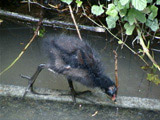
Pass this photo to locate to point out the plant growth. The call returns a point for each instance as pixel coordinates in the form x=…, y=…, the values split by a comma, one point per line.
x=135, y=17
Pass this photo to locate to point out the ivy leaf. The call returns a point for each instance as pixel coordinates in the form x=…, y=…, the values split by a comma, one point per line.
x=158, y=2
x=149, y=1
x=67, y=1
x=135, y=14
x=124, y=2
x=153, y=78
x=112, y=10
x=97, y=10
x=116, y=2
x=146, y=10
x=119, y=6
x=139, y=4
x=154, y=11
x=153, y=24
x=111, y=21
x=123, y=12
x=79, y=3
x=129, y=28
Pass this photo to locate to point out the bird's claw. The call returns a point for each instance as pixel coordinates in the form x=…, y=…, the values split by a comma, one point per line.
x=26, y=77
x=30, y=87
x=75, y=95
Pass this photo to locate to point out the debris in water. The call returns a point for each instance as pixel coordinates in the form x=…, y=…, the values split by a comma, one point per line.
x=95, y=114
x=80, y=105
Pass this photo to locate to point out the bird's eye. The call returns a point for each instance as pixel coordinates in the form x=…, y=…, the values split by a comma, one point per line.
x=112, y=90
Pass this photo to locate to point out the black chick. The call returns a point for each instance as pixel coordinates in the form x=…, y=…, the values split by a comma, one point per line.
x=76, y=60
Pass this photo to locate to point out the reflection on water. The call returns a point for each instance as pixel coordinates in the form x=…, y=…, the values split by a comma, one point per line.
x=14, y=37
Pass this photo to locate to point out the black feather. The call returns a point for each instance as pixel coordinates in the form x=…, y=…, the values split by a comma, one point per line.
x=78, y=61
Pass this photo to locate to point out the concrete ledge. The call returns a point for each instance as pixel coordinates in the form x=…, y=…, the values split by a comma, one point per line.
x=122, y=101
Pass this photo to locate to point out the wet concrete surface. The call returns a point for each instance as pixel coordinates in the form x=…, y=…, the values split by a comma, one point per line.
x=94, y=98
x=14, y=37
x=27, y=109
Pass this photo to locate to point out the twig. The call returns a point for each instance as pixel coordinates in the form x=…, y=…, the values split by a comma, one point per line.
x=116, y=70
x=73, y=18
x=29, y=5
x=22, y=52
x=46, y=22
x=36, y=3
x=124, y=41
x=155, y=50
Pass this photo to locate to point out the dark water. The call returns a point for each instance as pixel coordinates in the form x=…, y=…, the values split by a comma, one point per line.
x=14, y=37
x=18, y=109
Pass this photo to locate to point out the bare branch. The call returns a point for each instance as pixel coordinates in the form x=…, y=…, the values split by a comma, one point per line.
x=73, y=18
x=46, y=22
x=116, y=70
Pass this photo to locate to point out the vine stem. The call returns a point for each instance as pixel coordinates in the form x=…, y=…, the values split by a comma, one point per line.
x=145, y=50
x=24, y=49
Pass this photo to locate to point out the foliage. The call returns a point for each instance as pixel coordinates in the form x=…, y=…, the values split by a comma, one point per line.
x=136, y=17
x=79, y=3
x=67, y=1
x=40, y=32
x=129, y=11
x=97, y=10
x=152, y=76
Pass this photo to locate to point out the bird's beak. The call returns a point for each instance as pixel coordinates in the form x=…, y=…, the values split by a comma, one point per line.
x=114, y=98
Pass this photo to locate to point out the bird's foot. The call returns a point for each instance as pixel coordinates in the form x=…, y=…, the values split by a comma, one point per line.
x=75, y=95
x=30, y=87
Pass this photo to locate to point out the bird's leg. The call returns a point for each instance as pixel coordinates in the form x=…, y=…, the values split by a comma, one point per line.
x=32, y=79
x=75, y=94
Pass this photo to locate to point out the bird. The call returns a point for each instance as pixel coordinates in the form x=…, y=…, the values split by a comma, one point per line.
x=77, y=61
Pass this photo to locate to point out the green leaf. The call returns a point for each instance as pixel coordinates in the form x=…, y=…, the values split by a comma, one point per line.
x=153, y=78
x=120, y=42
x=116, y=2
x=158, y=2
x=146, y=10
x=97, y=10
x=154, y=11
x=139, y=4
x=123, y=12
x=111, y=21
x=149, y=1
x=112, y=10
x=140, y=51
x=67, y=1
x=129, y=28
x=135, y=14
x=119, y=6
x=153, y=24
x=124, y=2
x=41, y=32
x=79, y=3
